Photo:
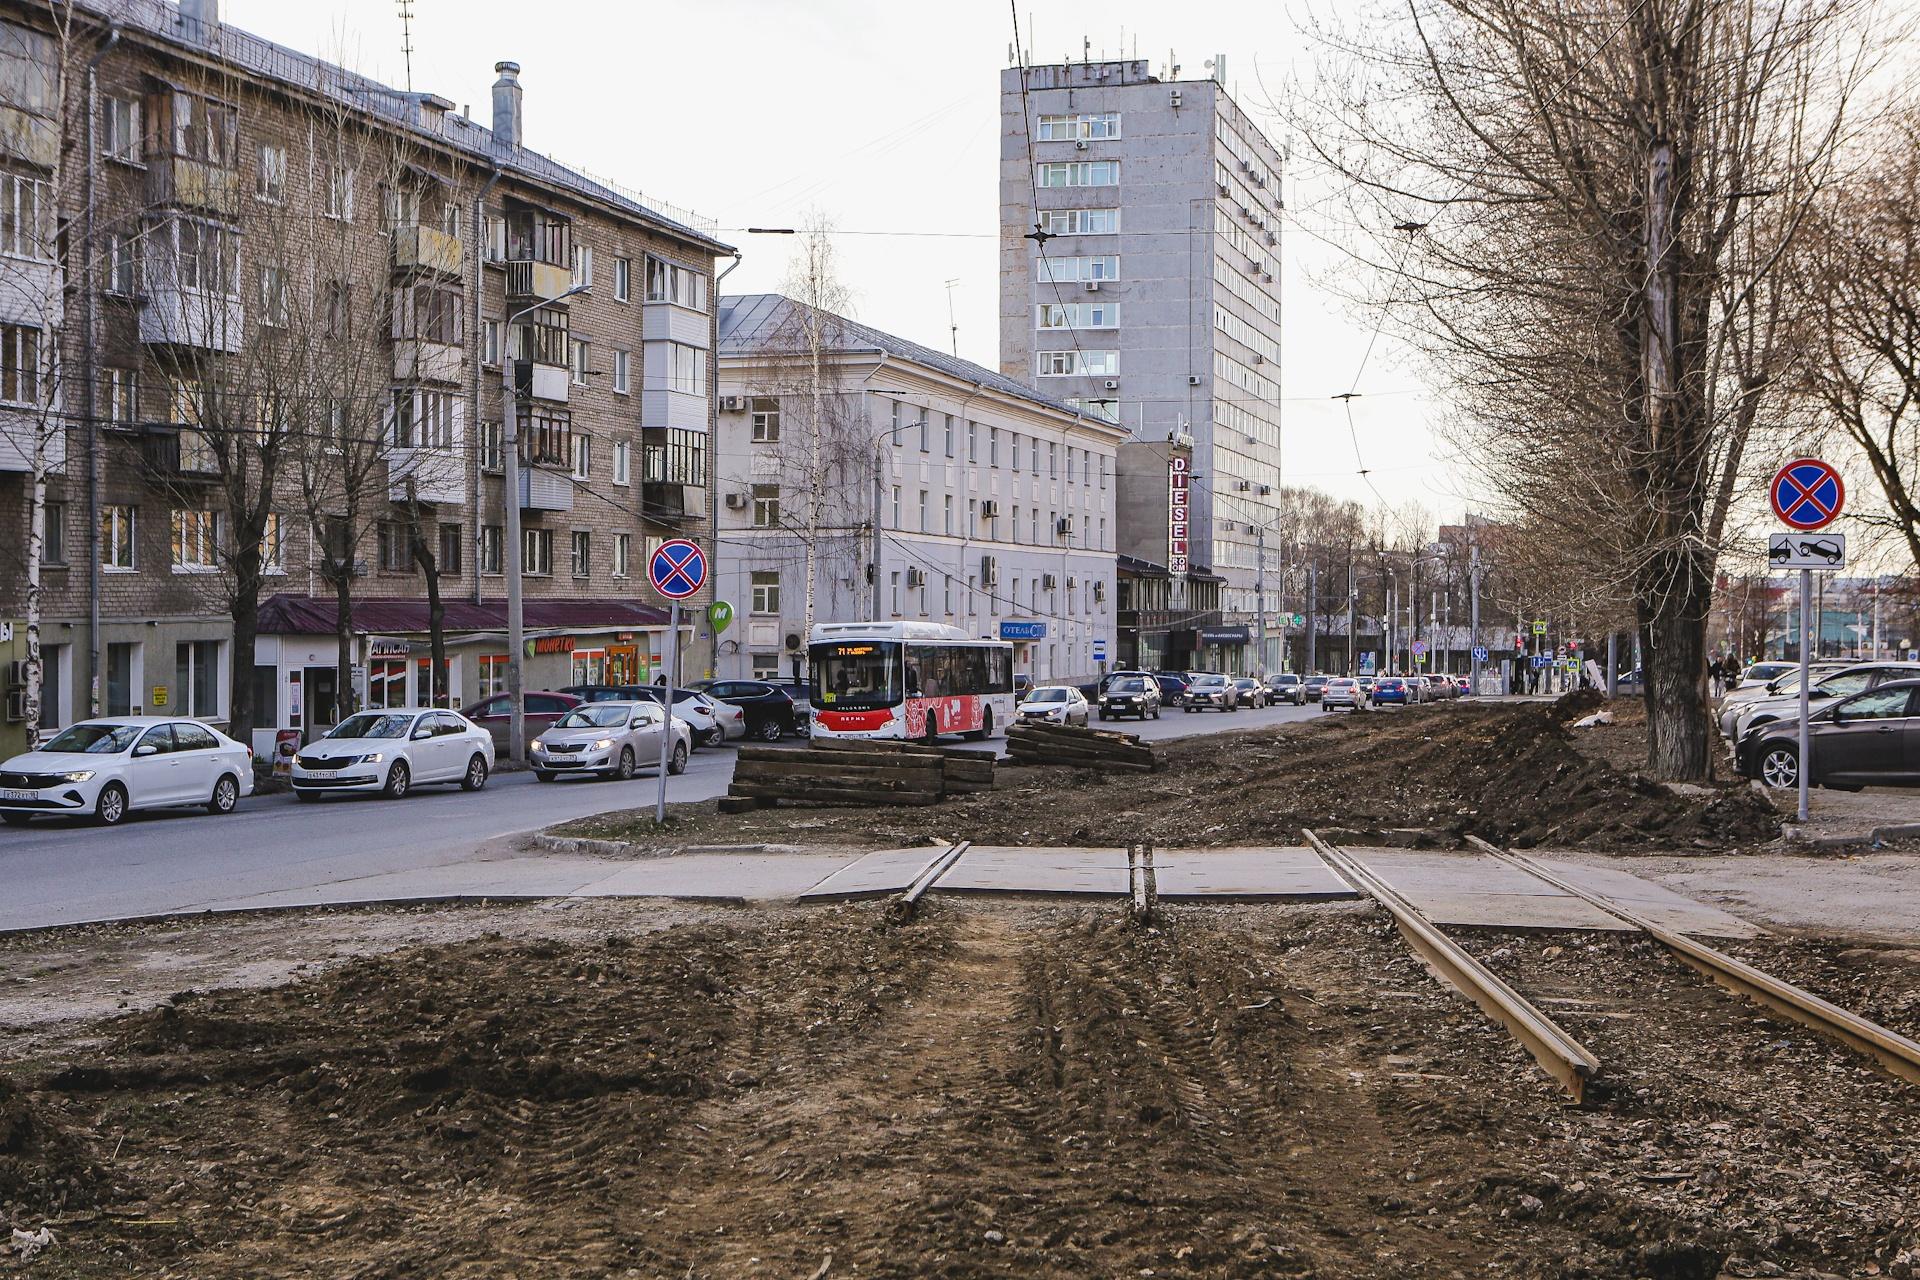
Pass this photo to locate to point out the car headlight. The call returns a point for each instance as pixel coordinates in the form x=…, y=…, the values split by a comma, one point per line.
x=601, y=744
x=78, y=775
x=539, y=744
x=377, y=757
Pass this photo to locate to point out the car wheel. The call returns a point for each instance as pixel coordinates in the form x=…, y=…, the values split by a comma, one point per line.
x=1156, y=714
x=476, y=774
x=678, y=763
x=399, y=780
x=226, y=794
x=624, y=770
x=769, y=730
x=1780, y=767
x=714, y=737
x=1103, y=715
x=16, y=819
x=1189, y=710
x=110, y=809
x=933, y=729
x=542, y=776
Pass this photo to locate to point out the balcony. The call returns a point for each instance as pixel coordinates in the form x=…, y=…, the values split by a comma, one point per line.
x=417, y=360
x=541, y=381
x=427, y=249
x=176, y=456
x=544, y=489
x=682, y=410
x=29, y=137
x=18, y=430
x=435, y=475
x=672, y=504
x=192, y=184
x=175, y=316
x=529, y=281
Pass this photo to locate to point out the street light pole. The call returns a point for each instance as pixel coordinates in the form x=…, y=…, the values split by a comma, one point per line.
x=516, y=613
x=1260, y=595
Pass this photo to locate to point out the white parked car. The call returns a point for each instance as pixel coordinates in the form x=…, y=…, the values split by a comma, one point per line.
x=393, y=751
x=114, y=765
x=611, y=739
x=1055, y=703
x=1343, y=691
x=712, y=721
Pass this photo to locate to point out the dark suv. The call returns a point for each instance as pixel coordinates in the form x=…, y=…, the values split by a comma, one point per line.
x=1133, y=694
x=769, y=708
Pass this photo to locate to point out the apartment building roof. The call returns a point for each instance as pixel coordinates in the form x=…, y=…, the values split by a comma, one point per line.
x=164, y=22
x=753, y=323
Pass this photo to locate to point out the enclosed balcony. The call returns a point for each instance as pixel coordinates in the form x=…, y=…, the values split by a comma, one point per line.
x=421, y=249
x=529, y=281
x=176, y=456
x=20, y=430
x=192, y=159
x=174, y=316
x=543, y=489
x=428, y=474
x=193, y=184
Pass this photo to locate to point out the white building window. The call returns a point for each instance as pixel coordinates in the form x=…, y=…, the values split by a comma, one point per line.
x=1055, y=364
x=1076, y=269
x=622, y=462
x=622, y=550
x=1079, y=173
x=582, y=456
x=1080, y=222
x=765, y=420
x=196, y=541
x=766, y=591
x=1077, y=315
x=622, y=279
x=1086, y=127
x=622, y=372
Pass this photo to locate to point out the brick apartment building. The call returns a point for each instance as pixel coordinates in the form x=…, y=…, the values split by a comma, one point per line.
x=249, y=299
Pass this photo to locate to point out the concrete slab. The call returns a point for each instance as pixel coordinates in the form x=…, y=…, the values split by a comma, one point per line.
x=1006, y=869
x=1256, y=873
x=1471, y=889
x=878, y=873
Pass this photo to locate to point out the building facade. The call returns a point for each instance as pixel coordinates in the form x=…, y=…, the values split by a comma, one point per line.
x=1140, y=232
x=931, y=489
x=270, y=326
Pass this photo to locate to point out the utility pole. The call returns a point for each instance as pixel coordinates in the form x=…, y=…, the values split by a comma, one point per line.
x=1353, y=596
x=1473, y=563
x=1313, y=604
x=1260, y=595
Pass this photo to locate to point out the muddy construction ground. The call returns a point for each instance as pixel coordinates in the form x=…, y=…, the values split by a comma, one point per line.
x=1018, y=1089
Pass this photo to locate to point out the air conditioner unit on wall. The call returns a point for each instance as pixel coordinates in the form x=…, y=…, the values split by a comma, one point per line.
x=989, y=509
x=1080, y=144
x=989, y=571
x=915, y=577
x=733, y=404
x=1093, y=286
x=1046, y=582
x=1064, y=525
x=736, y=502
x=16, y=673
x=16, y=706
x=1111, y=384
x=1193, y=379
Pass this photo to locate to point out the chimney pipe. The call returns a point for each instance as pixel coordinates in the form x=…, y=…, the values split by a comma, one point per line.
x=200, y=19
x=506, y=103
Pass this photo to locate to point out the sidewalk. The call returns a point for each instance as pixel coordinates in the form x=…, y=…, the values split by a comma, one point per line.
x=1875, y=815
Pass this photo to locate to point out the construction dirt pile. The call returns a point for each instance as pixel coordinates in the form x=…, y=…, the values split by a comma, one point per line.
x=990, y=1090
x=1510, y=774
x=43, y=1168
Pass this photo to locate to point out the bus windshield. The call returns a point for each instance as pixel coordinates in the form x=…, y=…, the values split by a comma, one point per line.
x=854, y=674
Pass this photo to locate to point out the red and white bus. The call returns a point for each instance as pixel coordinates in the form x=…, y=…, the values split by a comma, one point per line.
x=908, y=680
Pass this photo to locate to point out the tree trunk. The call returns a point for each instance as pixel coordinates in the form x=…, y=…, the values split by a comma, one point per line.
x=347, y=699
x=243, y=716
x=1676, y=592
x=438, y=694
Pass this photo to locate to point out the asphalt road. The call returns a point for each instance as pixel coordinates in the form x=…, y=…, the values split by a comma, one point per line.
x=68, y=871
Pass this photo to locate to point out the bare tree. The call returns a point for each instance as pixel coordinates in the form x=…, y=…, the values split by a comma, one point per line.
x=1586, y=209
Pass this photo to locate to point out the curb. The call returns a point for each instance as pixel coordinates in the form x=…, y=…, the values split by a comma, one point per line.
x=622, y=849
x=1875, y=835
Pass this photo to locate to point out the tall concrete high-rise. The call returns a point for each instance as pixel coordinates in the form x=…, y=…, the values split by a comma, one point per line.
x=1140, y=280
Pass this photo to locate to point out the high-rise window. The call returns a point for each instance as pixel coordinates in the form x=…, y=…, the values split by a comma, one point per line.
x=1079, y=173
x=1095, y=364
x=1080, y=222
x=1077, y=315
x=1077, y=269
x=1086, y=127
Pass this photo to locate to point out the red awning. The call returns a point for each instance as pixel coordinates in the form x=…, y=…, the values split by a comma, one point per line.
x=291, y=615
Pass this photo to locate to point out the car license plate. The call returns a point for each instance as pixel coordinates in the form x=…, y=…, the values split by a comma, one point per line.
x=323, y=773
x=19, y=795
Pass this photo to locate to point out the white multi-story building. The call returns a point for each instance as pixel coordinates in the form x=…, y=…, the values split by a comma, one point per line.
x=930, y=488
x=1139, y=247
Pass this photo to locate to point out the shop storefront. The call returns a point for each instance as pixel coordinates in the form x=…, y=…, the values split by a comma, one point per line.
x=1029, y=638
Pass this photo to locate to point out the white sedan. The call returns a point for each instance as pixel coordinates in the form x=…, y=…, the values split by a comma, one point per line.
x=1054, y=703
x=611, y=739
x=112, y=766
x=394, y=750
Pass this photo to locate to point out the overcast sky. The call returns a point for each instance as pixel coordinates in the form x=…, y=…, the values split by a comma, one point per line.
x=884, y=117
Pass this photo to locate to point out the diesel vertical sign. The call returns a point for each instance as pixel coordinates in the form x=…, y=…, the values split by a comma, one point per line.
x=1179, y=468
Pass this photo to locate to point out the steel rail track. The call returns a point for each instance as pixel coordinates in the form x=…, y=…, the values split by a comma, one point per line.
x=1559, y=1054
x=908, y=901
x=1898, y=1054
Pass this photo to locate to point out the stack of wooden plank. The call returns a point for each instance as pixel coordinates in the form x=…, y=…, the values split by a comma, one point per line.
x=1030, y=743
x=855, y=772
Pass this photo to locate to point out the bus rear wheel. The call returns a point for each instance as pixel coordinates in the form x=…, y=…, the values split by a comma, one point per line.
x=985, y=730
x=932, y=734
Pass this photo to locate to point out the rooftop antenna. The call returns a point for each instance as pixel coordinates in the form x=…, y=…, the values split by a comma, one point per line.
x=953, y=325
x=406, y=38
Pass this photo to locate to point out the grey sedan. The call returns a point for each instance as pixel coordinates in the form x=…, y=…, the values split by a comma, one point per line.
x=611, y=740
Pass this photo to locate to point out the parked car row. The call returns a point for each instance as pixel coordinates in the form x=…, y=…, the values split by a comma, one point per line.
x=1863, y=724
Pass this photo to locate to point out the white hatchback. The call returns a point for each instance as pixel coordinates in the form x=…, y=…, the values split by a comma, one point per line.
x=114, y=765
x=393, y=751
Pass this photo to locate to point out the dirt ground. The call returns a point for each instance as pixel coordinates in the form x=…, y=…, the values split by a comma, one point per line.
x=1508, y=773
x=1013, y=1089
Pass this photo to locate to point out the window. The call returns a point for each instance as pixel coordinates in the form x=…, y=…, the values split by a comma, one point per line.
x=622, y=552
x=896, y=507
x=1079, y=128
x=973, y=517
x=766, y=590
x=1014, y=524
x=622, y=279
x=686, y=368
x=429, y=313
x=122, y=661
x=199, y=256
x=1053, y=460
x=395, y=546
x=766, y=506
x=680, y=459
x=926, y=442
x=53, y=542
x=120, y=129
x=582, y=457
x=387, y=682
x=340, y=192
x=54, y=662
x=196, y=676
x=1077, y=315
x=1079, y=173
x=270, y=183
x=493, y=453
x=490, y=342
x=582, y=361
x=973, y=442
x=1016, y=452
x=895, y=584
x=422, y=419
x=949, y=433
x=196, y=540
x=123, y=397
x=536, y=552
x=582, y=553
x=765, y=420
x=122, y=266
x=451, y=544
x=583, y=265
x=1076, y=269
x=1078, y=363
x=26, y=217
x=1080, y=222
x=993, y=446
x=273, y=296
x=622, y=462
x=491, y=543
x=671, y=282
x=622, y=372
x=766, y=666
x=947, y=515
x=493, y=674
x=546, y=436
x=19, y=364
x=923, y=511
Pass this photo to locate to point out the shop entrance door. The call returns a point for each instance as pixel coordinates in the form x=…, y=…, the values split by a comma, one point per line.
x=322, y=698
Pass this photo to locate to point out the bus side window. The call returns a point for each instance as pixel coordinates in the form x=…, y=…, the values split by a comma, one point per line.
x=915, y=659
x=933, y=673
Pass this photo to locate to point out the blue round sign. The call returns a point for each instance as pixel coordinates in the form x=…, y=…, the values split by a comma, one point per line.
x=1807, y=493
x=677, y=569
x=1479, y=653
